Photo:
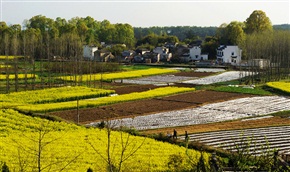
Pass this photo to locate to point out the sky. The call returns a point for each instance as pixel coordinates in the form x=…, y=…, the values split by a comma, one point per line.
x=147, y=13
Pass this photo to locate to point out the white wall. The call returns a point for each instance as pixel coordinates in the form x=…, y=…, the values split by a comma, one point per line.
x=230, y=54
x=88, y=52
x=195, y=54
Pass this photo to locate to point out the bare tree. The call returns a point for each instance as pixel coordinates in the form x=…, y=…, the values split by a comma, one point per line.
x=128, y=147
x=37, y=149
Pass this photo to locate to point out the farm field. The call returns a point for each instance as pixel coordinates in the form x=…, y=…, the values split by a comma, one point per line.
x=39, y=143
x=196, y=112
x=214, y=112
x=143, y=107
x=200, y=111
x=222, y=77
x=261, y=140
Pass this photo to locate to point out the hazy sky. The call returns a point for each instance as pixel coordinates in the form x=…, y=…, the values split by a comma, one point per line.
x=146, y=13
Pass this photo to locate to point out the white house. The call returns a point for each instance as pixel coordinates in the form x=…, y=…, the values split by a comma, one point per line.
x=163, y=53
x=231, y=54
x=88, y=52
x=195, y=54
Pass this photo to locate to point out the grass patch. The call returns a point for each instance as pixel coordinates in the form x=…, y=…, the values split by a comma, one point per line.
x=245, y=90
x=282, y=114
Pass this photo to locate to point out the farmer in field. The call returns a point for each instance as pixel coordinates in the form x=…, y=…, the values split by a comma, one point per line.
x=186, y=137
x=174, y=134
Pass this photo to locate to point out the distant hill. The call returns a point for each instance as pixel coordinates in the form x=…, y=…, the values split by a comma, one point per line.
x=282, y=27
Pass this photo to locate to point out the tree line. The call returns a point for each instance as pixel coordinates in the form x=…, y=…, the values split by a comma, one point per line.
x=42, y=37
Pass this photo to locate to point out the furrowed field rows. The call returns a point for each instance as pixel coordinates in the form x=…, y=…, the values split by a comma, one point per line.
x=216, y=112
x=255, y=141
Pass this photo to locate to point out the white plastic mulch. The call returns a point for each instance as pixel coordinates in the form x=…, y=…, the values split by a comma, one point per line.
x=225, y=76
x=216, y=112
x=209, y=70
x=158, y=79
x=163, y=79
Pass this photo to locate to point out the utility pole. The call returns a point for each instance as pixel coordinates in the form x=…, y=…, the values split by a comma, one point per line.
x=78, y=114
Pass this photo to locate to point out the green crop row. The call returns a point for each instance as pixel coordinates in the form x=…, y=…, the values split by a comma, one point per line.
x=241, y=89
x=59, y=94
x=71, y=148
x=104, y=100
x=119, y=75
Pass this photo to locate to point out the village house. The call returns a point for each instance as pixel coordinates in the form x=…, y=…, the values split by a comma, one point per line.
x=88, y=52
x=229, y=54
x=103, y=56
x=141, y=51
x=195, y=54
x=163, y=52
x=151, y=57
x=127, y=55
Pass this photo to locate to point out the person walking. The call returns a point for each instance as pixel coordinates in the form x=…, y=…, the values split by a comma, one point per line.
x=174, y=134
x=186, y=137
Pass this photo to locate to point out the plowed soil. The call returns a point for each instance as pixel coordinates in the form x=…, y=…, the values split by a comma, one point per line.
x=149, y=106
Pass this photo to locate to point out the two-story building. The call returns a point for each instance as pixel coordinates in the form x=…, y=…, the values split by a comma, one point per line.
x=230, y=54
x=163, y=53
x=195, y=54
x=88, y=52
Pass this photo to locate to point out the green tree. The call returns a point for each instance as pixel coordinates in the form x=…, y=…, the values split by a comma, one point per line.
x=235, y=33
x=124, y=34
x=107, y=32
x=209, y=46
x=41, y=22
x=258, y=22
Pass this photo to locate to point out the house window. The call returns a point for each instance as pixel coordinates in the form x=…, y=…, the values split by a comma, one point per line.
x=196, y=56
x=233, y=53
